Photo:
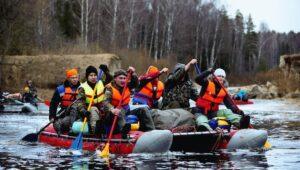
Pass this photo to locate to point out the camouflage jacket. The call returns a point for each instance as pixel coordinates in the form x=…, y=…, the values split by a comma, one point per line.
x=179, y=88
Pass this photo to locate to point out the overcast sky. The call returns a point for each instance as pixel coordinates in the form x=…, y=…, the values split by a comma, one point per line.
x=280, y=15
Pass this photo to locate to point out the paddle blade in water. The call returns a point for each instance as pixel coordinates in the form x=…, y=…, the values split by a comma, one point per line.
x=47, y=102
x=77, y=144
x=105, y=151
x=32, y=137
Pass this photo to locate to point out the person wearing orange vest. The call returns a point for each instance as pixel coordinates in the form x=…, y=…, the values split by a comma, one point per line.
x=210, y=97
x=64, y=96
x=113, y=95
x=85, y=93
x=150, y=88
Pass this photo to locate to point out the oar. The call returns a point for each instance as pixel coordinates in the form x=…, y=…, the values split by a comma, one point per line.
x=105, y=151
x=77, y=143
x=33, y=137
x=267, y=144
x=47, y=103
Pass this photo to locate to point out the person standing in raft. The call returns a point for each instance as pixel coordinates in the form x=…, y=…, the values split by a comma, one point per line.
x=113, y=95
x=179, y=88
x=85, y=92
x=210, y=97
x=150, y=88
x=64, y=95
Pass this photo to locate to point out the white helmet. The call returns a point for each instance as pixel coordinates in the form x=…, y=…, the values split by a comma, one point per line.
x=220, y=72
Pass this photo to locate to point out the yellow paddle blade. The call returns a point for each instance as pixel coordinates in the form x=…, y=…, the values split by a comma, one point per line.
x=267, y=145
x=105, y=151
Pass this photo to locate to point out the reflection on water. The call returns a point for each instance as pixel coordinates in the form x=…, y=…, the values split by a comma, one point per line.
x=283, y=127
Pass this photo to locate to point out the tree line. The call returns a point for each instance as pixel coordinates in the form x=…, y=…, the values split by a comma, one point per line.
x=171, y=29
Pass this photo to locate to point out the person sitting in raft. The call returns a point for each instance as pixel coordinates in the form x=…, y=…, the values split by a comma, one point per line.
x=85, y=92
x=150, y=88
x=64, y=96
x=241, y=95
x=30, y=93
x=112, y=97
x=210, y=97
x=28, y=97
x=179, y=88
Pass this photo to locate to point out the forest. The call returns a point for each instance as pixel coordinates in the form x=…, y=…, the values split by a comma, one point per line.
x=173, y=30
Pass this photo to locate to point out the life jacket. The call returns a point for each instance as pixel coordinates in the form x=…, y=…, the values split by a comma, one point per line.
x=210, y=100
x=145, y=95
x=117, y=96
x=220, y=122
x=98, y=97
x=67, y=94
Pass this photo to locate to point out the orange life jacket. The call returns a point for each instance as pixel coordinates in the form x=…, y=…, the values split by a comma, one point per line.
x=210, y=100
x=117, y=96
x=146, y=93
x=67, y=95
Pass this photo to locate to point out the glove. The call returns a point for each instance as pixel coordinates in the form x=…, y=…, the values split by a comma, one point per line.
x=86, y=114
x=241, y=113
x=104, y=68
x=211, y=70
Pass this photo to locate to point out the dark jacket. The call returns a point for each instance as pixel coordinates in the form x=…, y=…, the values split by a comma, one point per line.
x=56, y=100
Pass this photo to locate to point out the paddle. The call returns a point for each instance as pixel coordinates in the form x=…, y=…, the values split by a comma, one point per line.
x=47, y=103
x=77, y=143
x=267, y=144
x=105, y=151
x=33, y=137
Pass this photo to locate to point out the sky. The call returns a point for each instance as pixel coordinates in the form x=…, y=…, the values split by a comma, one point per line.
x=279, y=15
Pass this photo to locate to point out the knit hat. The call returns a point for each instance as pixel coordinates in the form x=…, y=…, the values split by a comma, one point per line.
x=71, y=72
x=220, y=72
x=89, y=70
x=152, y=70
x=120, y=72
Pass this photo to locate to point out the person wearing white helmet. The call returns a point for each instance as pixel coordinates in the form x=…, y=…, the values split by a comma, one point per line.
x=211, y=96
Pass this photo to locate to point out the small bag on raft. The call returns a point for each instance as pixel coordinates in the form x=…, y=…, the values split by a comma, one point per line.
x=77, y=125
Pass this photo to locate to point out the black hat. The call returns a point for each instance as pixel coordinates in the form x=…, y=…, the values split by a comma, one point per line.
x=120, y=72
x=89, y=70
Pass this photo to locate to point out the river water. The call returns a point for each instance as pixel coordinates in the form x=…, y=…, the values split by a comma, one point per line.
x=279, y=118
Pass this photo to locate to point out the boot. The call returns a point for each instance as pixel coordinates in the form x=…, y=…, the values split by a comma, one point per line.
x=244, y=122
x=125, y=130
x=57, y=127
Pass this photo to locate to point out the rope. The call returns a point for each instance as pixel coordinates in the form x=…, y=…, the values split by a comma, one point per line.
x=216, y=144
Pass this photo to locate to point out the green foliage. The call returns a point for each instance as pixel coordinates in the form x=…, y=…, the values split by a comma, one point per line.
x=251, y=41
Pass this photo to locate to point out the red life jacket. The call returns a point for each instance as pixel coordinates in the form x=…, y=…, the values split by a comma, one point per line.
x=117, y=96
x=210, y=100
x=146, y=93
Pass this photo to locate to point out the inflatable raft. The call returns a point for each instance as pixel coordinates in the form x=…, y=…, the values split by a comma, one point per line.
x=241, y=102
x=156, y=141
x=210, y=141
x=160, y=141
